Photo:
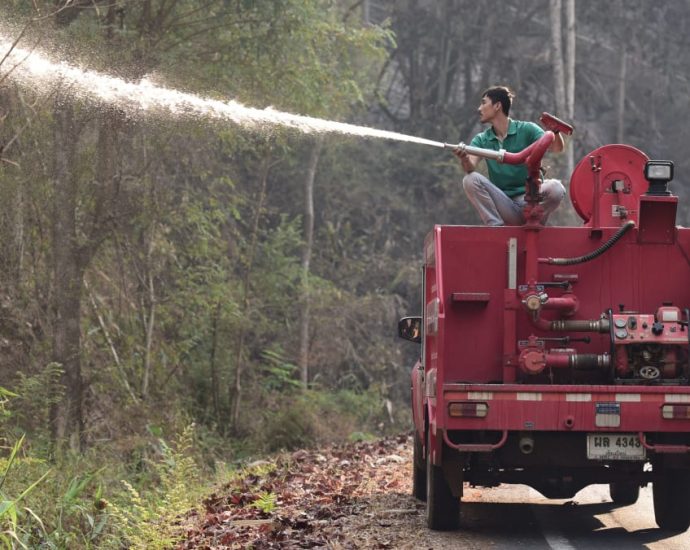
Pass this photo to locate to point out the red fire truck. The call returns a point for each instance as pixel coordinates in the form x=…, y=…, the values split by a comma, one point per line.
x=558, y=357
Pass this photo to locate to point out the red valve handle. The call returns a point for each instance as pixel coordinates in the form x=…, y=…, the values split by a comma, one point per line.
x=555, y=124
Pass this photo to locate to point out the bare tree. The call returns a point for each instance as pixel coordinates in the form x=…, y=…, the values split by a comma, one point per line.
x=570, y=46
x=306, y=259
x=235, y=393
x=68, y=271
x=555, y=8
x=620, y=103
x=148, y=311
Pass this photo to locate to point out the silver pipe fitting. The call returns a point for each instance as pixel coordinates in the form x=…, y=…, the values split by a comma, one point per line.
x=477, y=151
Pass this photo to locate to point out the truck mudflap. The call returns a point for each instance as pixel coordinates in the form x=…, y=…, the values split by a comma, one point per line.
x=476, y=447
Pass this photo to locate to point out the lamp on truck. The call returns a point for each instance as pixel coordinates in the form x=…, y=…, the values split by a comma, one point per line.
x=658, y=173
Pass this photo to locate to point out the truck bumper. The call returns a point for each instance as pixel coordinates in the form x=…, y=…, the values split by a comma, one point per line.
x=630, y=409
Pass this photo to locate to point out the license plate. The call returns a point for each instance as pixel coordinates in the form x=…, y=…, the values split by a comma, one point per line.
x=614, y=447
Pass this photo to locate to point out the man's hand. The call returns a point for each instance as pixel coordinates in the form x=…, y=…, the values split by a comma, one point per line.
x=468, y=162
x=558, y=144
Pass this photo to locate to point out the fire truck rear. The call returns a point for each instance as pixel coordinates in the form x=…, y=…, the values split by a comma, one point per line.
x=559, y=357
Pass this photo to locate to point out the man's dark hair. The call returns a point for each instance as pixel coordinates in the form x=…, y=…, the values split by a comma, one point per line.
x=501, y=94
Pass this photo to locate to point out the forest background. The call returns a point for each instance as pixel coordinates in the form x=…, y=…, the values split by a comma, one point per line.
x=177, y=295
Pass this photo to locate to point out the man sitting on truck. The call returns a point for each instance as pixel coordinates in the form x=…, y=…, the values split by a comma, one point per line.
x=499, y=200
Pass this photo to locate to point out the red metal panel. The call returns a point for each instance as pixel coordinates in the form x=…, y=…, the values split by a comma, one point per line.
x=657, y=219
x=477, y=321
x=475, y=261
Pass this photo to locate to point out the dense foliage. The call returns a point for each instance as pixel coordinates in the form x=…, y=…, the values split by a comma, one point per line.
x=157, y=273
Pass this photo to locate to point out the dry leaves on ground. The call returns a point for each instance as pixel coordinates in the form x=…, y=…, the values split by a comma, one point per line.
x=347, y=496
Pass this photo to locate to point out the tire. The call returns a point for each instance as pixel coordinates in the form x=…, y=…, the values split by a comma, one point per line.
x=624, y=493
x=442, y=508
x=418, y=469
x=670, y=493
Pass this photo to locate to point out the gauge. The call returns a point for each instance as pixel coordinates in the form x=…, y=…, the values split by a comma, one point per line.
x=621, y=333
x=620, y=323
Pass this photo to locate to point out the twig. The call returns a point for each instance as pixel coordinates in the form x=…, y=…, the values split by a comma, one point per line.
x=106, y=335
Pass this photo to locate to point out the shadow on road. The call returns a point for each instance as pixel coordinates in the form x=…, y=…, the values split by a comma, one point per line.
x=566, y=524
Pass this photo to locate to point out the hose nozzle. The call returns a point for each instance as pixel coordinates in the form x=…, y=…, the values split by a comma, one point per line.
x=477, y=151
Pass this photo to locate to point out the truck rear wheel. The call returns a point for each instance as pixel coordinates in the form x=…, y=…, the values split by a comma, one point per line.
x=671, y=492
x=418, y=469
x=624, y=492
x=442, y=508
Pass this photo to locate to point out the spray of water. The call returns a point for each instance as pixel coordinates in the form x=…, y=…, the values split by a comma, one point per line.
x=38, y=71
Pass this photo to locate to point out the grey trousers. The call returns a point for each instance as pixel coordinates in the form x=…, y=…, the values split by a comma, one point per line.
x=497, y=208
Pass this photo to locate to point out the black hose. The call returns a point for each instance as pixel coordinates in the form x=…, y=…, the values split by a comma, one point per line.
x=598, y=252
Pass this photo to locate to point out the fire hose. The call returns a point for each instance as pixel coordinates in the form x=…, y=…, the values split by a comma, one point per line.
x=530, y=155
x=594, y=254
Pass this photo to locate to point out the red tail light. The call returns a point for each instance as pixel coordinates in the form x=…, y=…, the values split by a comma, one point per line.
x=672, y=412
x=468, y=409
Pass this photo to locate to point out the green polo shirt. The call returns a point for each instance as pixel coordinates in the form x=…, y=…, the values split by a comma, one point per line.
x=509, y=178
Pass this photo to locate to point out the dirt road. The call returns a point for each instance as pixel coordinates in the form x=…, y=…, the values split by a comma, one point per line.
x=358, y=496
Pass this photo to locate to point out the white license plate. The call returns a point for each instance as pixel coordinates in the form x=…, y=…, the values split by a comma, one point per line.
x=603, y=446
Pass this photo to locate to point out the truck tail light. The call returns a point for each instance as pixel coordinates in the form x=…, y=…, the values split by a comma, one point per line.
x=468, y=409
x=671, y=412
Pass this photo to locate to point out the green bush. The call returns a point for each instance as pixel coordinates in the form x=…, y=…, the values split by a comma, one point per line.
x=11, y=516
x=152, y=521
x=313, y=417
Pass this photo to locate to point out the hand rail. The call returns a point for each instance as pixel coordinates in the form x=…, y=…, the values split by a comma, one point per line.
x=667, y=449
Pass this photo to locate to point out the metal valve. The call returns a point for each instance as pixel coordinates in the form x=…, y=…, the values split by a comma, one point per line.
x=534, y=302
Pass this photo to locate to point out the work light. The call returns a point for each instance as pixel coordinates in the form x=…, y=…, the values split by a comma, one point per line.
x=658, y=173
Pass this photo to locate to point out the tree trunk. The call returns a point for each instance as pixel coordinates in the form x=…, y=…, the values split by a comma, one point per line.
x=77, y=234
x=445, y=42
x=16, y=257
x=149, y=314
x=570, y=79
x=215, y=382
x=305, y=302
x=557, y=56
x=236, y=389
x=622, y=75
x=18, y=235
x=68, y=270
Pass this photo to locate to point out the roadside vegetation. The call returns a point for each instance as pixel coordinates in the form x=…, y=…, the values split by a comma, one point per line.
x=137, y=491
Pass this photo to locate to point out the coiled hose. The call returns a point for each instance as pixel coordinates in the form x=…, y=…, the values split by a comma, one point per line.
x=598, y=252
